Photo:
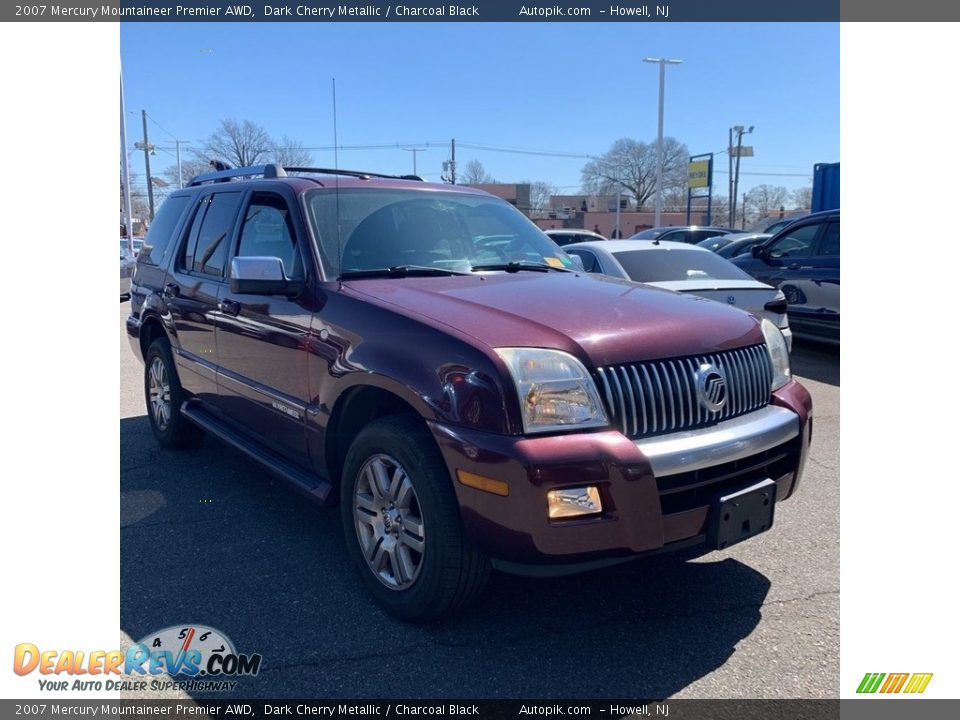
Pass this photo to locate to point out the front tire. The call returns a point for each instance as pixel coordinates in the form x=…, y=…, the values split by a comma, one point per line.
x=164, y=396
x=402, y=526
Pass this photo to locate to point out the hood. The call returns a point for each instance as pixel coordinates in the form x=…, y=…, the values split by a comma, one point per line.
x=609, y=321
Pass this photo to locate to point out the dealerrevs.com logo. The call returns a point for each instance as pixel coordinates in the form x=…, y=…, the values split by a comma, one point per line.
x=910, y=683
x=198, y=657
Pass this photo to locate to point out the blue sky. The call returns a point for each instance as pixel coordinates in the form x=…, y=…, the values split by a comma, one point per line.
x=570, y=88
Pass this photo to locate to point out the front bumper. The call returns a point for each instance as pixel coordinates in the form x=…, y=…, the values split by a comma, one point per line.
x=656, y=493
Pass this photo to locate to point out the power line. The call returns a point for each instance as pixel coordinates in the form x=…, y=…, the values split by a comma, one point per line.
x=172, y=136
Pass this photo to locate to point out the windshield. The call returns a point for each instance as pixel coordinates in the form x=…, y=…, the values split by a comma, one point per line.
x=455, y=232
x=650, y=266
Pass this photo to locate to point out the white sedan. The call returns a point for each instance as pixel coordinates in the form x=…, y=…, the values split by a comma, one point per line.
x=688, y=269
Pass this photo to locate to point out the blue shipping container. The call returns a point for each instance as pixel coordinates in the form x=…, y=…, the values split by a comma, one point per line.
x=826, y=187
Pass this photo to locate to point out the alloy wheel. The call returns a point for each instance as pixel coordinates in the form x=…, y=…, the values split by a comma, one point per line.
x=389, y=522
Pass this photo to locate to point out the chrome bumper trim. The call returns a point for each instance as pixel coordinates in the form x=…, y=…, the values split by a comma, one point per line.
x=722, y=443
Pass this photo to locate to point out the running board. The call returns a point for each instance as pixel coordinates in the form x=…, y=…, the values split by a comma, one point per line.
x=302, y=480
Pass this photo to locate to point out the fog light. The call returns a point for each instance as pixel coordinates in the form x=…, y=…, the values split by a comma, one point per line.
x=571, y=502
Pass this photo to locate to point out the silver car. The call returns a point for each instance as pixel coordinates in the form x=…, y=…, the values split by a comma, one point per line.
x=127, y=263
x=688, y=269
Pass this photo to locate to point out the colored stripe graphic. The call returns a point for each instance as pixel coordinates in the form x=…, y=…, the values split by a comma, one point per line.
x=918, y=682
x=870, y=682
x=894, y=682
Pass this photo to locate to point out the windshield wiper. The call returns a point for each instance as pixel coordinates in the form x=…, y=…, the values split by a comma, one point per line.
x=518, y=265
x=401, y=271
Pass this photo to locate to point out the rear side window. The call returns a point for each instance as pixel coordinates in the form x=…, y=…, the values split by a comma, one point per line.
x=206, y=250
x=830, y=244
x=589, y=259
x=561, y=239
x=161, y=230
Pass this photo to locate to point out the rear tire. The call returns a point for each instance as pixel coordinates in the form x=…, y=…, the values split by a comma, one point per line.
x=164, y=396
x=401, y=522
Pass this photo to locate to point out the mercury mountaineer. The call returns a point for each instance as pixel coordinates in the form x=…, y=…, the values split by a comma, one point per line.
x=425, y=357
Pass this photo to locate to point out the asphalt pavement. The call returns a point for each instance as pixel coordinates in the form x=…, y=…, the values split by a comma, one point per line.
x=208, y=537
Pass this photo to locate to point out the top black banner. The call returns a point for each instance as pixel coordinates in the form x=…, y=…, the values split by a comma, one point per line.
x=628, y=11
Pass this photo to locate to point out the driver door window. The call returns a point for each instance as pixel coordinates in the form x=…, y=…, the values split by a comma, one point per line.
x=795, y=244
x=267, y=232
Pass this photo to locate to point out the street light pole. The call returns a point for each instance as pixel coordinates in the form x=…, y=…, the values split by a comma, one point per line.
x=125, y=171
x=663, y=62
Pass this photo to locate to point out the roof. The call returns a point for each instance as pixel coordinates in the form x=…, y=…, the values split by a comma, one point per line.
x=618, y=246
x=322, y=177
x=574, y=231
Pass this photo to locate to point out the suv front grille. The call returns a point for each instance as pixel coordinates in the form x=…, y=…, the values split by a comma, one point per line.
x=660, y=396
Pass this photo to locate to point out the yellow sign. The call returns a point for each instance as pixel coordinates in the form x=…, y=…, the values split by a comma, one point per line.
x=699, y=173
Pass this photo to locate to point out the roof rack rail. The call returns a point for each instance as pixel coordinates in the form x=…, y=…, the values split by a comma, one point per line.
x=268, y=171
x=271, y=170
x=350, y=173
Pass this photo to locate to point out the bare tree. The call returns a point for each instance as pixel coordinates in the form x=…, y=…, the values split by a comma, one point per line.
x=191, y=166
x=238, y=143
x=764, y=200
x=540, y=194
x=802, y=198
x=291, y=153
x=475, y=174
x=631, y=166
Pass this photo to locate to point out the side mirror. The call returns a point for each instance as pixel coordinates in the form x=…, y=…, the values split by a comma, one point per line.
x=577, y=262
x=758, y=252
x=261, y=276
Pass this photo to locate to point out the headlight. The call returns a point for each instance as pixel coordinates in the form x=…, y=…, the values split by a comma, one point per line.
x=556, y=391
x=779, y=354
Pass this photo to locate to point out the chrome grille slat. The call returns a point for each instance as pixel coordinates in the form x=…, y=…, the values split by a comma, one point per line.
x=615, y=381
x=639, y=390
x=648, y=391
x=628, y=389
x=650, y=398
x=744, y=395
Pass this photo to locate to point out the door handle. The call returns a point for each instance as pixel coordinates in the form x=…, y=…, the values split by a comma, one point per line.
x=794, y=266
x=171, y=290
x=229, y=307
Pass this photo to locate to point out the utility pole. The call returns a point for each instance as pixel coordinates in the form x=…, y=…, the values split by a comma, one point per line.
x=414, y=151
x=743, y=213
x=147, y=149
x=125, y=170
x=663, y=62
x=731, y=220
x=449, y=166
x=179, y=166
x=740, y=131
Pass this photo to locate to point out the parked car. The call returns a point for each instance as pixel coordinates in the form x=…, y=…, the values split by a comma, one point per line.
x=691, y=234
x=740, y=244
x=570, y=236
x=127, y=264
x=682, y=268
x=713, y=244
x=775, y=227
x=803, y=261
x=469, y=402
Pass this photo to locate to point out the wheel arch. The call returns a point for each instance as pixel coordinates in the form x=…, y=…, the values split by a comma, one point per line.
x=355, y=409
x=151, y=328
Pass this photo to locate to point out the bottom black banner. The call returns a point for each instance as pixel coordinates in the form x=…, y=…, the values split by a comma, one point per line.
x=430, y=709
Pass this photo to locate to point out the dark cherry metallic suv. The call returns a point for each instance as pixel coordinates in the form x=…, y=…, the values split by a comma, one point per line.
x=428, y=356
